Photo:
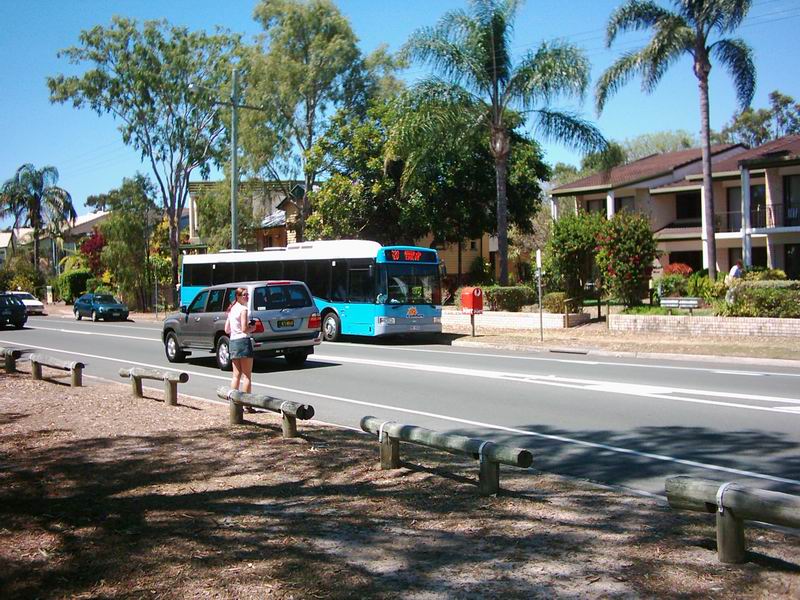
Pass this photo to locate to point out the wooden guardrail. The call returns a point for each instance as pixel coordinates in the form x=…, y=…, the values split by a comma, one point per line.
x=733, y=504
x=10, y=357
x=74, y=367
x=491, y=455
x=290, y=411
x=171, y=380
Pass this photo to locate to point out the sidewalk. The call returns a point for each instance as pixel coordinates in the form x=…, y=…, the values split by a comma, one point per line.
x=594, y=339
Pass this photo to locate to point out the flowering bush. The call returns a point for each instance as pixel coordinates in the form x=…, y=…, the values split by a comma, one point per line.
x=626, y=249
x=678, y=269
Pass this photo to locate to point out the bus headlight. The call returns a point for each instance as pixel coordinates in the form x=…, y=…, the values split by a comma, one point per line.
x=437, y=319
x=386, y=320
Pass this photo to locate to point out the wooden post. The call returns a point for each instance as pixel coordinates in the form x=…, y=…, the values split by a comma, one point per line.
x=171, y=392
x=730, y=538
x=77, y=375
x=136, y=386
x=11, y=361
x=235, y=412
x=36, y=369
x=288, y=426
x=390, y=453
x=489, y=477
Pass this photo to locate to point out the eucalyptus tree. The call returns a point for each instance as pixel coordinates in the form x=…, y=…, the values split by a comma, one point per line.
x=306, y=66
x=143, y=76
x=688, y=30
x=35, y=200
x=471, y=56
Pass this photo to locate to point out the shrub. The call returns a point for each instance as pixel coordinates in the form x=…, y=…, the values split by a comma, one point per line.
x=671, y=285
x=480, y=271
x=678, y=269
x=777, y=299
x=73, y=283
x=5, y=279
x=763, y=274
x=569, y=257
x=555, y=302
x=510, y=298
x=626, y=250
x=701, y=286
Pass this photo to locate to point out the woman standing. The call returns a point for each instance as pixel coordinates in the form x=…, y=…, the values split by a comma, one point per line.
x=240, y=345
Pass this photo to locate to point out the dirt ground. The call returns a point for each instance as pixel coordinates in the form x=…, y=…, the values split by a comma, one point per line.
x=103, y=495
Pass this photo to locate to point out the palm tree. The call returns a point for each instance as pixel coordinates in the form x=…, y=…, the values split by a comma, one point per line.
x=471, y=54
x=687, y=30
x=34, y=199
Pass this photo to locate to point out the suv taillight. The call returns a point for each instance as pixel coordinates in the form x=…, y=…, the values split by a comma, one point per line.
x=259, y=326
x=314, y=321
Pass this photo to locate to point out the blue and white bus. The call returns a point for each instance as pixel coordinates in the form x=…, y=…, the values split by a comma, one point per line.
x=360, y=287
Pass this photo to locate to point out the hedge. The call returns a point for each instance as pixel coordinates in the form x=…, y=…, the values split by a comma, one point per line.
x=776, y=299
x=73, y=283
x=510, y=298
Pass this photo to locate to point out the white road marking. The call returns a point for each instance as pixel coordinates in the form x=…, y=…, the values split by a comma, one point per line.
x=113, y=335
x=558, y=438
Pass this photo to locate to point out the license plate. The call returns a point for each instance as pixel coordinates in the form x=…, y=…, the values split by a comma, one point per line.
x=414, y=328
x=286, y=323
x=6, y=312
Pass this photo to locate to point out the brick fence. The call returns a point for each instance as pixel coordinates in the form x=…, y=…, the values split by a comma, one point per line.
x=514, y=320
x=705, y=326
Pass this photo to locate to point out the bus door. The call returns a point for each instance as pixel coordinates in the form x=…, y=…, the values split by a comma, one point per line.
x=360, y=298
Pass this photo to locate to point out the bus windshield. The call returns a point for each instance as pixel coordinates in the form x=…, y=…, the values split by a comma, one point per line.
x=409, y=284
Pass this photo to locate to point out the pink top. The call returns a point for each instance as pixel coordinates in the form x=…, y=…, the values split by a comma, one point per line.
x=235, y=321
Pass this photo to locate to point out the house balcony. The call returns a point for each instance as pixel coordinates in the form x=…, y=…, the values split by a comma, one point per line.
x=762, y=217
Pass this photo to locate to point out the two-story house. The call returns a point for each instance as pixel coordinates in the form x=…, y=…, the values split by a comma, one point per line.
x=761, y=227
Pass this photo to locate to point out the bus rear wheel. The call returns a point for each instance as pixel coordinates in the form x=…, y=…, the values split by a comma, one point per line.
x=331, y=327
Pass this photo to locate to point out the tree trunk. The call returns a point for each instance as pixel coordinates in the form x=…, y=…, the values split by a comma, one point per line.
x=701, y=71
x=501, y=147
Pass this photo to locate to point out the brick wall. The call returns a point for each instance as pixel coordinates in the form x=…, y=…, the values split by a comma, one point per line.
x=706, y=326
x=514, y=320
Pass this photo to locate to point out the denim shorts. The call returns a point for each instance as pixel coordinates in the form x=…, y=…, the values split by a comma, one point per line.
x=241, y=348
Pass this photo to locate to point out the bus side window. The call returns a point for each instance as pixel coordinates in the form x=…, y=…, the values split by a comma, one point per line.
x=339, y=280
x=294, y=270
x=223, y=273
x=270, y=270
x=318, y=278
x=362, y=287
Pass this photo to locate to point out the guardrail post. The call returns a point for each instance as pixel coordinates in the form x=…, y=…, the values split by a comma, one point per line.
x=171, y=392
x=489, y=477
x=136, y=386
x=77, y=375
x=235, y=412
x=390, y=453
x=11, y=355
x=730, y=538
x=288, y=425
x=36, y=369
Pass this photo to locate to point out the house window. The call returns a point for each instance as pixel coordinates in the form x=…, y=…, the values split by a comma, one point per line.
x=758, y=256
x=792, y=261
x=791, y=200
x=593, y=206
x=623, y=203
x=758, y=207
x=692, y=258
x=687, y=209
x=473, y=245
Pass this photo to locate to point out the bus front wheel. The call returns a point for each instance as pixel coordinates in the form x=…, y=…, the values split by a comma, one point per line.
x=331, y=327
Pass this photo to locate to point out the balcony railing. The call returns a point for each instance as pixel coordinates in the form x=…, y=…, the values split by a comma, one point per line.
x=761, y=217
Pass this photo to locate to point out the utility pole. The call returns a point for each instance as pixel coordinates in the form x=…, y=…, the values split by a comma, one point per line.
x=234, y=166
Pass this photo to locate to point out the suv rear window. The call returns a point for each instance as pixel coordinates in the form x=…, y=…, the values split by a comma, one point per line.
x=280, y=296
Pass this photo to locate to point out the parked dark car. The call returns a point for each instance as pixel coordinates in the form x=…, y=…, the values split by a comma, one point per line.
x=12, y=311
x=99, y=306
x=290, y=322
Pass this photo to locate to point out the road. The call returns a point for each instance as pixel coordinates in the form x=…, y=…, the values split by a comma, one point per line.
x=612, y=420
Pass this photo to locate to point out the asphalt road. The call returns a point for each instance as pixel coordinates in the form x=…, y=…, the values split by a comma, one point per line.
x=615, y=421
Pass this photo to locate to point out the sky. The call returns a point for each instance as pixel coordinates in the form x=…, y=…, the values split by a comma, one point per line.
x=91, y=158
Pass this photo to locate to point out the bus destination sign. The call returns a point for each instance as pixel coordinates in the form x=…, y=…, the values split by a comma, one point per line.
x=410, y=255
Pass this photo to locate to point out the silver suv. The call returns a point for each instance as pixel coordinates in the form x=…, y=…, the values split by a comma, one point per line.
x=290, y=322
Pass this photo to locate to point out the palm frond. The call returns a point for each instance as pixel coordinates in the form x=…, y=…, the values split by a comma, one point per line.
x=635, y=15
x=628, y=66
x=569, y=129
x=721, y=15
x=737, y=58
x=556, y=69
x=673, y=38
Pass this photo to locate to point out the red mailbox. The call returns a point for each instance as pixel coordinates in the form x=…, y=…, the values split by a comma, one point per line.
x=472, y=301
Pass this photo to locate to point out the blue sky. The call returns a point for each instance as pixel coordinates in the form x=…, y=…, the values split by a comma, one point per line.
x=91, y=158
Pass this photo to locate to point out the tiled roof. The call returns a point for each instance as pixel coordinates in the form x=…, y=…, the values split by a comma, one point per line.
x=276, y=219
x=639, y=170
x=683, y=183
x=788, y=146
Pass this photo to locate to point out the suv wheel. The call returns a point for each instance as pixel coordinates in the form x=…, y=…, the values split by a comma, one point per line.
x=78, y=315
x=296, y=359
x=224, y=354
x=331, y=327
x=95, y=316
x=173, y=349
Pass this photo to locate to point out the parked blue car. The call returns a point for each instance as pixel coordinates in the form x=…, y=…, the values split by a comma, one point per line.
x=100, y=306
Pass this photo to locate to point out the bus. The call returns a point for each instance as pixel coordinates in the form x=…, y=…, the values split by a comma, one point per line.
x=360, y=287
